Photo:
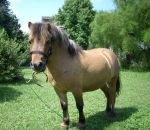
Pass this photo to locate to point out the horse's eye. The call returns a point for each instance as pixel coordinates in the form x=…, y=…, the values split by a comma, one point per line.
x=48, y=42
x=30, y=42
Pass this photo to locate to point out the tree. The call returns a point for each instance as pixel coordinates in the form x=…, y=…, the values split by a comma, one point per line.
x=10, y=58
x=136, y=16
x=106, y=30
x=13, y=44
x=126, y=30
x=76, y=16
x=9, y=22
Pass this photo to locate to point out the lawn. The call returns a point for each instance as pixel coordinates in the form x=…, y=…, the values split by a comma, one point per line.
x=22, y=109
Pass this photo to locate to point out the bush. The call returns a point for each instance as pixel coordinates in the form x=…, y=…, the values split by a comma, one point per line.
x=25, y=52
x=10, y=58
x=135, y=61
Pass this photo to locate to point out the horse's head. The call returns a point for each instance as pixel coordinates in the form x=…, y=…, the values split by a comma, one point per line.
x=40, y=40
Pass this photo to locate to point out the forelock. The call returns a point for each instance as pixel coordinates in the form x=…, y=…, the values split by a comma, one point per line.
x=40, y=31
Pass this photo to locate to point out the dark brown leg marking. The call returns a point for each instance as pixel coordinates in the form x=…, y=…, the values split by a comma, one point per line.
x=64, y=107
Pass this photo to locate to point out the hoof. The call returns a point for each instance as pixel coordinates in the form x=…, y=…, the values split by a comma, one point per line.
x=113, y=116
x=110, y=116
x=80, y=126
x=63, y=126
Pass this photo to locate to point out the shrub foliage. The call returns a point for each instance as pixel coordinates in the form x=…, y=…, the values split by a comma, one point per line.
x=9, y=58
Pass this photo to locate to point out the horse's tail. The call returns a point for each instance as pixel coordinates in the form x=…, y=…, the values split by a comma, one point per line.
x=118, y=86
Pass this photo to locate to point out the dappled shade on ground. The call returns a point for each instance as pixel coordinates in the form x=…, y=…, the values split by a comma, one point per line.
x=8, y=94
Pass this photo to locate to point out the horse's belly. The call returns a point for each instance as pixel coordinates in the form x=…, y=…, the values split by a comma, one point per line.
x=96, y=79
x=94, y=85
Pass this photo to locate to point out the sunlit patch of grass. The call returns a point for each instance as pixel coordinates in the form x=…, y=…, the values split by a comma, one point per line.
x=21, y=108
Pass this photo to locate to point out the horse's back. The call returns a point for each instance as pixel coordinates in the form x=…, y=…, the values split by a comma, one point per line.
x=102, y=58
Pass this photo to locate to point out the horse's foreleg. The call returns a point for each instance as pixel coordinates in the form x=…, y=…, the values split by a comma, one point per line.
x=64, y=105
x=79, y=104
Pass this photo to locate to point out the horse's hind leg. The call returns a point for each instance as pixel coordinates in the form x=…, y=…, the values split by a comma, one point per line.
x=105, y=90
x=110, y=93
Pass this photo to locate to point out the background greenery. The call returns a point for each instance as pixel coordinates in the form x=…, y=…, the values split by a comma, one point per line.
x=76, y=16
x=21, y=109
x=13, y=45
x=125, y=30
x=9, y=57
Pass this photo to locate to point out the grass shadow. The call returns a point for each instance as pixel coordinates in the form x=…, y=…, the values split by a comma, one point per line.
x=22, y=81
x=8, y=94
x=100, y=121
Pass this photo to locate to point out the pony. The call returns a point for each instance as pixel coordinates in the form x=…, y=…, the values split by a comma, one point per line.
x=72, y=69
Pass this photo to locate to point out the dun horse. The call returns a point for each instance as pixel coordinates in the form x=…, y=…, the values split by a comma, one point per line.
x=72, y=69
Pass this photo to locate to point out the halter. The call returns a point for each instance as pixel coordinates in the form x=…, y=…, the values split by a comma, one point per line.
x=46, y=55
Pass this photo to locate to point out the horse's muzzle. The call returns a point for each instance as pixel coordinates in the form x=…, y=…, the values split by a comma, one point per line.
x=38, y=67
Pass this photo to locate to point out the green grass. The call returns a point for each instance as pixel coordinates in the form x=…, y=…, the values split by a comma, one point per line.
x=21, y=109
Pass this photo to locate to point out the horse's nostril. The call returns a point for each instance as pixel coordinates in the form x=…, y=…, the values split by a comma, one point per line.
x=33, y=64
x=40, y=65
x=37, y=66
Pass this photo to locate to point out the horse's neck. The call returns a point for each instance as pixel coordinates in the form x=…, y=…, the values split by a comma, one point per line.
x=59, y=54
x=59, y=51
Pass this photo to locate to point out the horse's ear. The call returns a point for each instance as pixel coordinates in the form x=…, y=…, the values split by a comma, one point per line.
x=49, y=27
x=29, y=24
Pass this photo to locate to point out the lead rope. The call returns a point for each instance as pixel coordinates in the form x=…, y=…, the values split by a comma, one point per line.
x=34, y=79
